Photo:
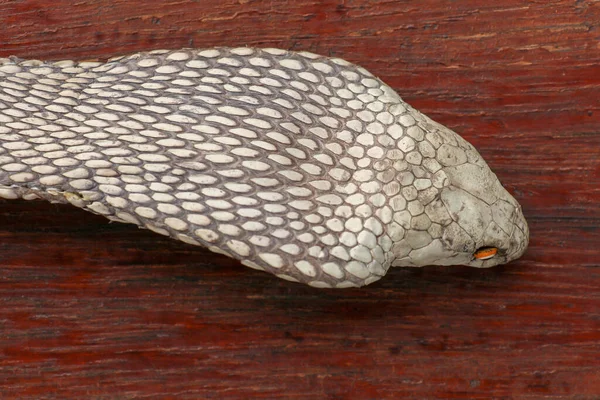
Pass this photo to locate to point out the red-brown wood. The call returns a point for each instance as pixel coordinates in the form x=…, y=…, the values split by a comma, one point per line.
x=95, y=310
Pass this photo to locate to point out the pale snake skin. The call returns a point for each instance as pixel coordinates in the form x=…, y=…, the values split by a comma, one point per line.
x=300, y=165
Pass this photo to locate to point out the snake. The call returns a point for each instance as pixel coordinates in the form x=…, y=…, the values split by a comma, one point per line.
x=304, y=166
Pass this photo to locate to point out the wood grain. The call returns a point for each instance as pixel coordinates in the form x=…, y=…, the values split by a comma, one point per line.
x=95, y=310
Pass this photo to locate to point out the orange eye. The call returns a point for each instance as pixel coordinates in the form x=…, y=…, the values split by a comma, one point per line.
x=485, y=253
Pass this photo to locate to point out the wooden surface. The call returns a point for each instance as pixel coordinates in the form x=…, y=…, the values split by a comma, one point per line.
x=92, y=310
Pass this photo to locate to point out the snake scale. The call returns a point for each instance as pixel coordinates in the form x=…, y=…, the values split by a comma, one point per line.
x=304, y=166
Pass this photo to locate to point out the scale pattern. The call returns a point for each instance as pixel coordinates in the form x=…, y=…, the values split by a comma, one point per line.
x=304, y=166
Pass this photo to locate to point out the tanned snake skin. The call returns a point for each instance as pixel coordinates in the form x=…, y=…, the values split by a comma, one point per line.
x=303, y=166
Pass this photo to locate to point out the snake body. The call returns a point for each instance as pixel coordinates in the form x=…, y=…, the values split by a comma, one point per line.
x=300, y=165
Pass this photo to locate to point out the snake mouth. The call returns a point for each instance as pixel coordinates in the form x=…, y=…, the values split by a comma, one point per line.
x=485, y=253
x=488, y=256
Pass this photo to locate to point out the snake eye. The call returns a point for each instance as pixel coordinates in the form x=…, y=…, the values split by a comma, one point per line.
x=485, y=253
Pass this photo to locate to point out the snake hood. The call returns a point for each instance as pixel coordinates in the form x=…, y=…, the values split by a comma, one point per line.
x=303, y=166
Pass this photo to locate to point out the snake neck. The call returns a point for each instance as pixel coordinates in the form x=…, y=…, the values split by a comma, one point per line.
x=46, y=104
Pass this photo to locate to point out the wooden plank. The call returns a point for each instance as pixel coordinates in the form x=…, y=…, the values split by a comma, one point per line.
x=96, y=310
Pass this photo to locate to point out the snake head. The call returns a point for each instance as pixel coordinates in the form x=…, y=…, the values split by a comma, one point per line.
x=481, y=230
x=467, y=218
x=488, y=227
